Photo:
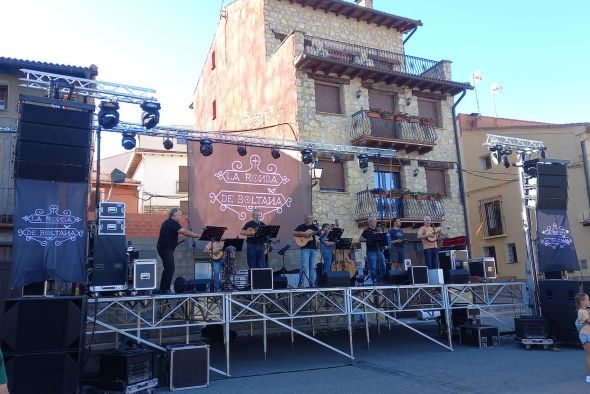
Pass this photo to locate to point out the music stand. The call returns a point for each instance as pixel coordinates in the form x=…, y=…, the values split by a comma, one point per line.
x=335, y=234
x=266, y=232
x=344, y=243
x=377, y=238
x=237, y=243
x=212, y=233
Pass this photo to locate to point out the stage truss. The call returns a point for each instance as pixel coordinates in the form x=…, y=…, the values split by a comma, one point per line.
x=302, y=311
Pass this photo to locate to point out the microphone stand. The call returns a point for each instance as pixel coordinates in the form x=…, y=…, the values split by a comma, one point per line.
x=194, y=245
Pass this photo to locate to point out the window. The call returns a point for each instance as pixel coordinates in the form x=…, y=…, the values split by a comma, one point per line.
x=429, y=109
x=485, y=163
x=332, y=176
x=382, y=100
x=3, y=97
x=214, y=109
x=435, y=181
x=489, y=251
x=490, y=211
x=387, y=179
x=327, y=98
x=213, y=60
x=182, y=186
x=511, y=253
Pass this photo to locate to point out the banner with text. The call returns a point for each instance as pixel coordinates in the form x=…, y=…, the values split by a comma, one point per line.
x=49, y=239
x=224, y=188
x=555, y=245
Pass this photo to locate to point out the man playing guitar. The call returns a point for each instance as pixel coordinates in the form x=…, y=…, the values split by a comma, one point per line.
x=375, y=255
x=255, y=245
x=304, y=235
x=429, y=236
x=215, y=250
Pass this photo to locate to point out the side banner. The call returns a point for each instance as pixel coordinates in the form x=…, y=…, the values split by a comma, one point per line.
x=555, y=245
x=49, y=240
x=224, y=188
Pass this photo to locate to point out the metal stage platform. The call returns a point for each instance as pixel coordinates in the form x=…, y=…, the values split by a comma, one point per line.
x=149, y=319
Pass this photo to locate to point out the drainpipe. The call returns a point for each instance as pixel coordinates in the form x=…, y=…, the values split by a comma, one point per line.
x=411, y=34
x=586, y=168
x=460, y=173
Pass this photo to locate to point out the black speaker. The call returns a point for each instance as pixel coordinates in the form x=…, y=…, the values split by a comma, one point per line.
x=51, y=373
x=55, y=115
x=531, y=327
x=189, y=366
x=398, y=277
x=51, y=171
x=43, y=324
x=419, y=275
x=562, y=324
x=337, y=279
x=109, y=269
x=280, y=282
x=54, y=135
x=122, y=369
x=484, y=267
x=458, y=276
x=261, y=279
x=553, y=275
x=552, y=186
x=556, y=295
x=551, y=169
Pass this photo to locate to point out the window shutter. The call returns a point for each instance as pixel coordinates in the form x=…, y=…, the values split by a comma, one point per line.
x=435, y=181
x=428, y=109
x=327, y=98
x=332, y=176
x=382, y=101
x=182, y=179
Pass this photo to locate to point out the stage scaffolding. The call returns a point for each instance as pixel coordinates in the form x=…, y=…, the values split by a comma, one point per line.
x=303, y=311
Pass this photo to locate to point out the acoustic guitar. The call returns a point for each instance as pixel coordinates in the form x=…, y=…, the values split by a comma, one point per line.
x=435, y=234
x=302, y=240
x=250, y=231
x=216, y=255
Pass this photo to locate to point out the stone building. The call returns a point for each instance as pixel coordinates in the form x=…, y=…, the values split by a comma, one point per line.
x=312, y=70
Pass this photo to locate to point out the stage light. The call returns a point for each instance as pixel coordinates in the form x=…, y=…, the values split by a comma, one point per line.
x=151, y=114
x=108, y=116
x=363, y=162
x=506, y=161
x=307, y=156
x=335, y=159
x=168, y=144
x=242, y=151
x=128, y=140
x=206, y=147
x=274, y=152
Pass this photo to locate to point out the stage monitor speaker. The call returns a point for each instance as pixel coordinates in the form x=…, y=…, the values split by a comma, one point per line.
x=337, y=279
x=458, y=276
x=280, y=282
x=398, y=277
x=48, y=373
x=43, y=324
x=261, y=279
x=109, y=270
x=419, y=275
x=189, y=367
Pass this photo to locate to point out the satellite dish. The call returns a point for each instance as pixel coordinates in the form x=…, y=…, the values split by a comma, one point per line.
x=496, y=88
x=476, y=77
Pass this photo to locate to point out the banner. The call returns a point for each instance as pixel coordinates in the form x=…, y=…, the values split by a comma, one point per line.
x=224, y=188
x=555, y=245
x=49, y=240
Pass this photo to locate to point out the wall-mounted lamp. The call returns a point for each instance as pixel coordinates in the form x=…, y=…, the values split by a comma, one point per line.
x=416, y=172
x=359, y=94
x=408, y=101
x=316, y=173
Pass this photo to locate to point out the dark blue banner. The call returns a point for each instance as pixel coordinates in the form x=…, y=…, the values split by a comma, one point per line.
x=555, y=245
x=49, y=239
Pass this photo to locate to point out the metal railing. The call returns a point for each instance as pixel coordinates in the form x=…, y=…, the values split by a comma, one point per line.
x=374, y=58
x=389, y=207
x=361, y=125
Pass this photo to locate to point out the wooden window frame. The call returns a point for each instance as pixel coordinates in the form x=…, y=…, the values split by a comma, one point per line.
x=323, y=163
x=436, y=122
x=333, y=85
x=443, y=172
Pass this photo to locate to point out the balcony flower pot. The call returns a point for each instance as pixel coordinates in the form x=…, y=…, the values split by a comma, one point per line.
x=374, y=113
x=414, y=119
x=426, y=121
x=400, y=117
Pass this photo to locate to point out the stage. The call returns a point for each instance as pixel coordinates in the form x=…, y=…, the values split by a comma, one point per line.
x=302, y=312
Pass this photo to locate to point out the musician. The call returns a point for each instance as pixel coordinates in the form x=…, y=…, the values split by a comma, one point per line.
x=215, y=248
x=326, y=247
x=309, y=250
x=167, y=242
x=396, y=249
x=255, y=245
x=374, y=250
x=430, y=247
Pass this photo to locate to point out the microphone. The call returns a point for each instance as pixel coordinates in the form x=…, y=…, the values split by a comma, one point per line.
x=284, y=249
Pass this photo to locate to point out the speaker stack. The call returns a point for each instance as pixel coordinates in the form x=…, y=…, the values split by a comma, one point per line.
x=42, y=342
x=551, y=186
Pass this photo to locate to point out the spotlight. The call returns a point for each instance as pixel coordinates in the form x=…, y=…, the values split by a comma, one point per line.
x=494, y=158
x=151, y=114
x=363, y=161
x=128, y=140
x=307, y=156
x=206, y=147
x=335, y=159
x=275, y=153
x=168, y=144
x=506, y=161
x=242, y=151
x=108, y=116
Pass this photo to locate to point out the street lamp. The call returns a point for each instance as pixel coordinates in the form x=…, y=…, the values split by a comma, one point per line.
x=315, y=171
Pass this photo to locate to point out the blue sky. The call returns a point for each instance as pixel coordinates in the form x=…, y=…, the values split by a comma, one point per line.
x=538, y=51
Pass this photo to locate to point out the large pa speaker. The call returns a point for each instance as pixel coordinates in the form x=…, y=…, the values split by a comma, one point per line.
x=33, y=110
x=556, y=294
x=109, y=269
x=189, y=366
x=43, y=324
x=552, y=186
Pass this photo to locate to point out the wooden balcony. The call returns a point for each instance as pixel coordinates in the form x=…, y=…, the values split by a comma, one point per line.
x=391, y=134
x=370, y=64
x=411, y=211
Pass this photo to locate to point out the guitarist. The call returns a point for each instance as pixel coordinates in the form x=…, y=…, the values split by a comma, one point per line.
x=309, y=250
x=255, y=245
x=326, y=247
x=428, y=234
x=215, y=251
x=374, y=251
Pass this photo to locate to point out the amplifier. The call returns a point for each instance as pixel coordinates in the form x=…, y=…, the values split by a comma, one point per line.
x=144, y=274
x=122, y=369
x=189, y=366
x=480, y=336
x=241, y=279
x=531, y=327
x=109, y=210
x=111, y=226
x=484, y=267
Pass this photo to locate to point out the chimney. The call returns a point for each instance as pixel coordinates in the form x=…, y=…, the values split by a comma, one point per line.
x=364, y=3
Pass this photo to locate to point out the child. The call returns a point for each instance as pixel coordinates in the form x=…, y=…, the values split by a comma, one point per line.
x=583, y=326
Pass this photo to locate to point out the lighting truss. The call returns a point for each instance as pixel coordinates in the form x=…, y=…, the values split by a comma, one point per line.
x=514, y=144
x=238, y=138
x=88, y=87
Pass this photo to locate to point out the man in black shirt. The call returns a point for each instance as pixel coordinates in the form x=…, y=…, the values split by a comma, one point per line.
x=374, y=250
x=309, y=250
x=255, y=245
x=167, y=242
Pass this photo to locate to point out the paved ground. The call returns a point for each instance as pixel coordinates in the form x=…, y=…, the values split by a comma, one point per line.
x=396, y=361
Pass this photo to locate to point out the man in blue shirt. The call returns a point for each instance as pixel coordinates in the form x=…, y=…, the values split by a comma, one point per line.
x=396, y=249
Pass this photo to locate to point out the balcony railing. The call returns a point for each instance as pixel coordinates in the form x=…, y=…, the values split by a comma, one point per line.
x=407, y=209
x=363, y=127
x=374, y=58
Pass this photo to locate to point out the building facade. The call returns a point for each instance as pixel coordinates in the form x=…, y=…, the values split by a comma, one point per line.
x=337, y=72
x=493, y=192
